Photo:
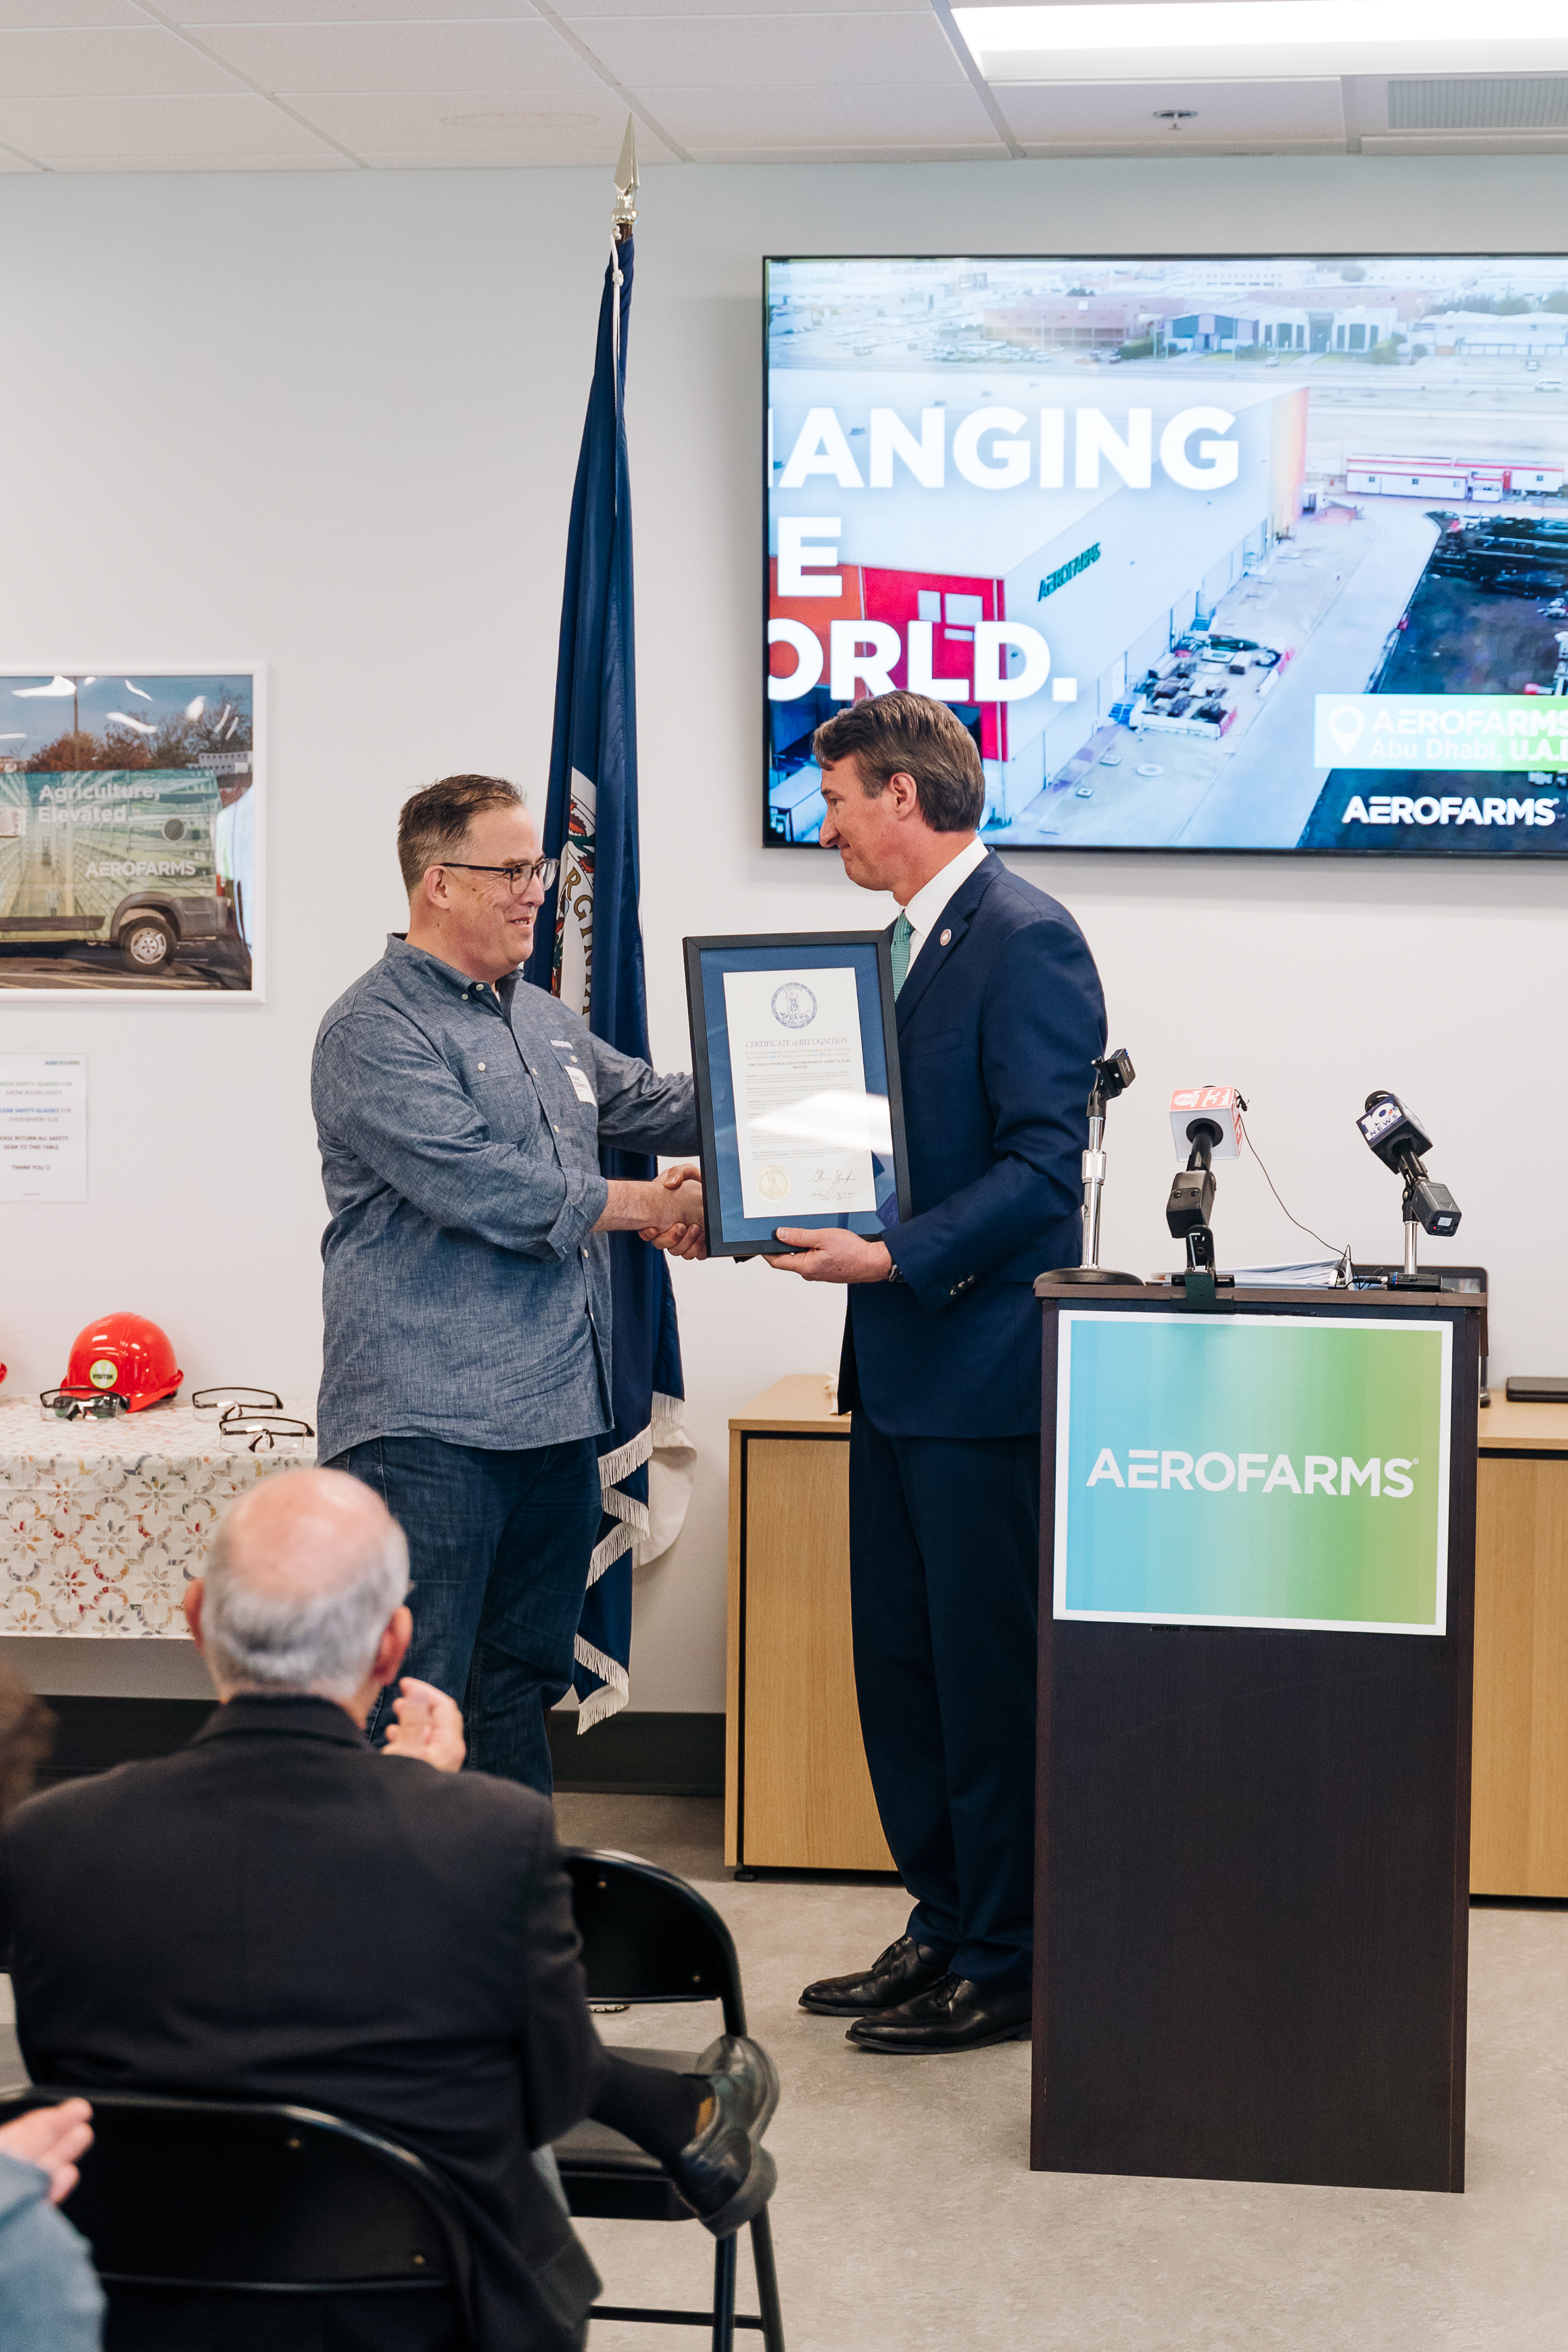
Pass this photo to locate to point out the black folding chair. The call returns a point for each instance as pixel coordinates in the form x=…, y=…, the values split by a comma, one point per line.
x=648, y=1937
x=215, y=2195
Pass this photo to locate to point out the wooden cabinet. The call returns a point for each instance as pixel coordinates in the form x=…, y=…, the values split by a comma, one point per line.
x=797, y=1792
x=1519, y=1806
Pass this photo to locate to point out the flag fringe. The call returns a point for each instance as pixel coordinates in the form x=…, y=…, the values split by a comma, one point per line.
x=612, y=1467
x=611, y=1674
x=607, y=1552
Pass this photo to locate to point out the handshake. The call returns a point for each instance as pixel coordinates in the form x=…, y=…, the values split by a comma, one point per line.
x=667, y=1212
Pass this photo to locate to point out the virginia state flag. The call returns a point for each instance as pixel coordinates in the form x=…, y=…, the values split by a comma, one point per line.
x=588, y=951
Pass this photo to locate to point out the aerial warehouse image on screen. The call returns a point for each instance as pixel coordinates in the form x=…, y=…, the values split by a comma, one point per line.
x=1234, y=553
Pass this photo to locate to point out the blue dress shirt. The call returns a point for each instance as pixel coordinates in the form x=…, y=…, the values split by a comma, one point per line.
x=467, y=1296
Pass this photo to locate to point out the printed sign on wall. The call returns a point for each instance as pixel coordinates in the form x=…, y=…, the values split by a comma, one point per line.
x=1285, y=1471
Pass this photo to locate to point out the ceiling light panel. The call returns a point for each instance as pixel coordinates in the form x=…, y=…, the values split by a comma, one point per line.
x=1251, y=38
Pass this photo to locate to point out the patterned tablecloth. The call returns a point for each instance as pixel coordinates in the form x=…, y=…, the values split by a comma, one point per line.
x=103, y=1523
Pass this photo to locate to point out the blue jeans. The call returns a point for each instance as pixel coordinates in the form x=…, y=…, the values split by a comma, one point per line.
x=498, y=1545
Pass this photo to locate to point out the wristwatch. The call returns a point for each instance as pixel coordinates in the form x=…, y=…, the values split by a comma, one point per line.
x=895, y=1271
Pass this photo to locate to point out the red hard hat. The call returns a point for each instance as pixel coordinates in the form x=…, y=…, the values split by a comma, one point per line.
x=123, y=1355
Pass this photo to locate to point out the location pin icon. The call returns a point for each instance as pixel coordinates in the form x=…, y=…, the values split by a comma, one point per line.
x=1347, y=724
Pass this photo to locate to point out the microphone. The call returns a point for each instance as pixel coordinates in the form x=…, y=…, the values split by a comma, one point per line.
x=1393, y=1132
x=1205, y=1124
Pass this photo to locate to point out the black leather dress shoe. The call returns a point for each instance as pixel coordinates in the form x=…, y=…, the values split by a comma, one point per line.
x=724, y=2174
x=896, y=1975
x=951, y=2014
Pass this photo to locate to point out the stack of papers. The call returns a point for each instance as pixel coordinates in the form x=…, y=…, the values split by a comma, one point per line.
x=1317, y=1274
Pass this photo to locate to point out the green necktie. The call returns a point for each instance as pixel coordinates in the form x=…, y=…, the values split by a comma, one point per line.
x=903, y=932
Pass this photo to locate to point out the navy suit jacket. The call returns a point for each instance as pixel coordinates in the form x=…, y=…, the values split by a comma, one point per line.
x=997, y=1030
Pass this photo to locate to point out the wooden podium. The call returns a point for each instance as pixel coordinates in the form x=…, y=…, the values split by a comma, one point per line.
x=1253, y=1858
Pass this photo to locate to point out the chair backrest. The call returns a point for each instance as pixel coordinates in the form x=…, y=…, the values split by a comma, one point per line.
x=646, y=1936
x=211, y=2192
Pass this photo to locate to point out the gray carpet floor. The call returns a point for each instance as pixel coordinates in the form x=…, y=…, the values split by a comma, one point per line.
x=907, y=2217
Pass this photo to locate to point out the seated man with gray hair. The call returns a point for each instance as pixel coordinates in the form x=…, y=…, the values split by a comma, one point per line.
x=278, y=1912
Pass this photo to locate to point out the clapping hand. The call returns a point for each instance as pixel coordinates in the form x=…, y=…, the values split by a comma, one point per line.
x=52, y=2138
x=428, y=1724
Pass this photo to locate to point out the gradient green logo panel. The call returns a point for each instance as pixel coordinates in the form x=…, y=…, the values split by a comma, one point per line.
x=1253, y=1470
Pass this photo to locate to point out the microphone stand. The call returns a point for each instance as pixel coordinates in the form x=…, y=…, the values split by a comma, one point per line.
x=1113, y=1074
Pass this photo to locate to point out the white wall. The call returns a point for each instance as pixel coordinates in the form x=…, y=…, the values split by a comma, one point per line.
x=329, y=421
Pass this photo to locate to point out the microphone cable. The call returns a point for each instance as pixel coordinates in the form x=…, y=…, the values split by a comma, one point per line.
x=1343, y=1257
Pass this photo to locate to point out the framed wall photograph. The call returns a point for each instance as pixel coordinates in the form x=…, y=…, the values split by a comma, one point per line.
x=132, y=830
x=796, y=1058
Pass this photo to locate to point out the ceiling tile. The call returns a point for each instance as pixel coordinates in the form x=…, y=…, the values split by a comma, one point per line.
x=870, y=119
x=1089, y=113
x=508, y=60
x=200, y=12
x=114, y=134
x=104, y=62
x=496, y=159
x=774, y=52
x=49, y=16
x=477, y=127
x=576, y=11
x=848, y=154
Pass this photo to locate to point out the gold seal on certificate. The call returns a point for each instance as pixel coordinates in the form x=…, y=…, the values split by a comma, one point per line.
x=796, y=1056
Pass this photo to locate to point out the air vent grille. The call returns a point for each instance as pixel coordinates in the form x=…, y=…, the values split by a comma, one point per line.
x=1492, y=102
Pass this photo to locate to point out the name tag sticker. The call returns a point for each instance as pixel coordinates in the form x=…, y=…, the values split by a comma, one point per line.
x=580, y=1085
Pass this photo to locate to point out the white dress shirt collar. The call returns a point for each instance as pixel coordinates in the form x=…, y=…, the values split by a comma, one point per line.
x=928, y=902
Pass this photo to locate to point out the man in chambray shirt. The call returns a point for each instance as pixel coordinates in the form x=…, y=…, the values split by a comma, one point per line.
x=467, y=1356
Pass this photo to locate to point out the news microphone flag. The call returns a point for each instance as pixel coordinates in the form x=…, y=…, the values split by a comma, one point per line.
x=1220, y=1106
x=588, y=951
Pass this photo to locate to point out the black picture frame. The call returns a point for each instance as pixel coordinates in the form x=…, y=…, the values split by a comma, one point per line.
x=869, y=955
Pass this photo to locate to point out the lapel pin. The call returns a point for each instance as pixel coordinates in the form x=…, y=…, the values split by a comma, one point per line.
x=944, y=939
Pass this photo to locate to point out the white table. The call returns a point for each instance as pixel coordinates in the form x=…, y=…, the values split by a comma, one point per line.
x=105, y=1522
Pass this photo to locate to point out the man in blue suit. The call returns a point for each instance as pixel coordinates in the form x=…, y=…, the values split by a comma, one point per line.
x=1000, y=1015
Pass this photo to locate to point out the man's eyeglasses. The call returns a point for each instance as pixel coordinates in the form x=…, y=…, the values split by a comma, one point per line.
x=516, y=878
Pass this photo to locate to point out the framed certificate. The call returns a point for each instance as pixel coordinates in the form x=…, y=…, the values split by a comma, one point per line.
x=796, y=1062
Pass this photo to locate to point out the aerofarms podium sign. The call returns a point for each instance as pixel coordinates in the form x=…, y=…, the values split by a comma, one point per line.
x=1253, y=1470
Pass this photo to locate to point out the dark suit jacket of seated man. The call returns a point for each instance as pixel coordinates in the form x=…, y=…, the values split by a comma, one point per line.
x=280, y=1913
x=1000, y=1015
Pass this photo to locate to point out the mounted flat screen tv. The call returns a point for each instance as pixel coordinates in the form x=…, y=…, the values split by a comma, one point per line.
x=1235, y=553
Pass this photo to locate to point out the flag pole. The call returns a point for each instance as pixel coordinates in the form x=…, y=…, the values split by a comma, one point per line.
x=623, y=220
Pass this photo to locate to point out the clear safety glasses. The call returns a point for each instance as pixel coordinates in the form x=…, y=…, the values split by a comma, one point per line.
x=79, y=1404
x=240, y=1431
x=214, y=1403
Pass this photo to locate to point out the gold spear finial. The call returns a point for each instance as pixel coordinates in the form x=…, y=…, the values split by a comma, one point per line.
x=623, y=216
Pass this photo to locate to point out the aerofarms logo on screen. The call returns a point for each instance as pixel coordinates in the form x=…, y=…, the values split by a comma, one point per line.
x=1149, y=1467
